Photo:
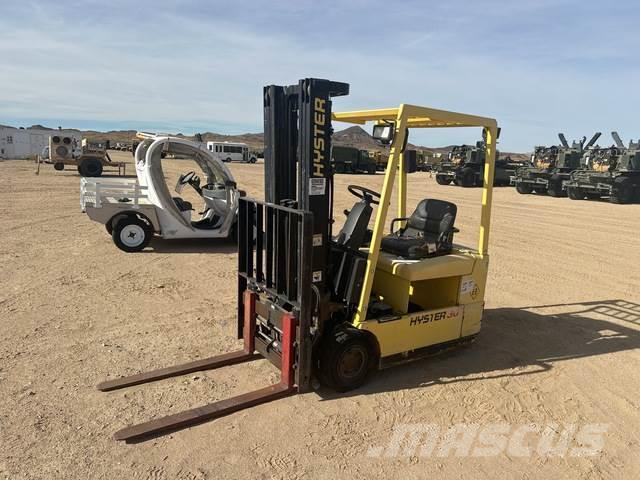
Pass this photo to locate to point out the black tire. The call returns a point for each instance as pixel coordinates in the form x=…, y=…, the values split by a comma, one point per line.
x=443, y=180
x=554, y=187
x=345, y=360
x=91, y=167
x=59, y=166
x=523, y=188
x=228, y=160
x=371, y=170
x=115, y=219
x=131, y=234
x=468, y=178
x=253, y=160
x=575, y=193
x=622, y=190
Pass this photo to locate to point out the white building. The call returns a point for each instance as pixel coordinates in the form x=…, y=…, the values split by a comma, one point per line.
x=29, y=142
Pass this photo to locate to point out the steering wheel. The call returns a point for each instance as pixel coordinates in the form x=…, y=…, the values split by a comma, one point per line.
x=187, y=177
x=364, y=193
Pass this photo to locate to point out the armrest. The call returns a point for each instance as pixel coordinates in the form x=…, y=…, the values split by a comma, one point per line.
x=399, y=219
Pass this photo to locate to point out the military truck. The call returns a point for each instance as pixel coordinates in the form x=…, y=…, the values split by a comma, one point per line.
x=551, y=167
x=465, y=167
x=613, y=173
x=352, y=160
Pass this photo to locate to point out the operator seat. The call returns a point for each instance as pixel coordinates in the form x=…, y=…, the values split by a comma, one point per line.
x=349, y=262
x=354, y=231
x=428, y=233
x=182, y=205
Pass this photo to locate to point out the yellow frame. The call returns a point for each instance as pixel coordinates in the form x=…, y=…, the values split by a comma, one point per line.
x=411, y=116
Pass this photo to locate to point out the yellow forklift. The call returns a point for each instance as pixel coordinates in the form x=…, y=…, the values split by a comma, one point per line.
x=333, y=306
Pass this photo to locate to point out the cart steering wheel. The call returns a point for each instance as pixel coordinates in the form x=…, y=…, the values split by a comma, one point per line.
x=187, y=177
x=364, y=194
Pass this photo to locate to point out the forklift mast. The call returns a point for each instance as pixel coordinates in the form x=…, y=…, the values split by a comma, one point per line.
x=297, y=125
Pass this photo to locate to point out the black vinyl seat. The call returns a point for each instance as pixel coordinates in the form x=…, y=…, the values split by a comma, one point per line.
x=182, y=205
x=349, y=262
x=428, y=233
x=354, y=231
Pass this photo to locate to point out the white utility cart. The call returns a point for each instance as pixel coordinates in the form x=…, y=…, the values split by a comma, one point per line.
x=133, y=210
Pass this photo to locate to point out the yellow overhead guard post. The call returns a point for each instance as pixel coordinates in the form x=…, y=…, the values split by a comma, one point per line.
x=411, y=116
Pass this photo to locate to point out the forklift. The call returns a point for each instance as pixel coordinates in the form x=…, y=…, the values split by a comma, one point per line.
x=329, y=307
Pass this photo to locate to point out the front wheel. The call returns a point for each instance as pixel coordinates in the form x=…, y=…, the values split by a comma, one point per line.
x=468, y=178
x=554, y=187
x=443, y=180
x=523, y=188
x=345, y=360
x=622, y=190
x=575, y=193
x=131, y=234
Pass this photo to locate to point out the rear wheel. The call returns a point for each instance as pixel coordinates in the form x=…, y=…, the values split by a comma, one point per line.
x=523, y=188
x=443, y=180
x=622, y=190
x=58, y=166
x=345, y=360
x=131, y=234
x=575, y=193
x=468, y=178
x=554, y=188
x=371, y=170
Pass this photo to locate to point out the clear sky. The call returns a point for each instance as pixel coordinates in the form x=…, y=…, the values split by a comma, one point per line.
x=539, y=67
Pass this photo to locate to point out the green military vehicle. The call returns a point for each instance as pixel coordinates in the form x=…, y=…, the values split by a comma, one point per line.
x=352, y=160
x=551, y=167
x=613, y=173
x=465, y=167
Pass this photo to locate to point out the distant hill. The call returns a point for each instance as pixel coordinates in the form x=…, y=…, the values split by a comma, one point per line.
x=354, y=136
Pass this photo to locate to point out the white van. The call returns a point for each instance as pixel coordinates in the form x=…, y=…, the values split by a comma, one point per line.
x=231, y=152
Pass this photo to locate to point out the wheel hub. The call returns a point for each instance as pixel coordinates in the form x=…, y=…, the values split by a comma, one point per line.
x=132, y=235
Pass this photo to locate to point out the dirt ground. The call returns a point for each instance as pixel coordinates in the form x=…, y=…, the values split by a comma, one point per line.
x=559, y=346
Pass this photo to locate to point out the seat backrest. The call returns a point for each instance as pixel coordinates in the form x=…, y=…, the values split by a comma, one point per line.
x=354, y=231
x=433, y=216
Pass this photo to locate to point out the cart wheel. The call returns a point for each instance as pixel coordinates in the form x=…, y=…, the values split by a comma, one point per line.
x=345, y=360
x=58, y=166
x=113, y=221
x=131, y=234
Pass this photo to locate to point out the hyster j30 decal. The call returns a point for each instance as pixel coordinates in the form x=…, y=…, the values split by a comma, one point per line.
x=436, y=316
